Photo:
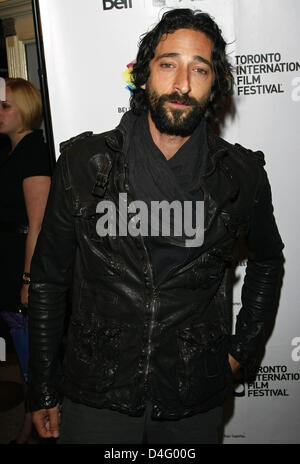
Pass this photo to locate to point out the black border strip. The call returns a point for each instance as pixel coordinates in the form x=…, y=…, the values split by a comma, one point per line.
x=43, y=81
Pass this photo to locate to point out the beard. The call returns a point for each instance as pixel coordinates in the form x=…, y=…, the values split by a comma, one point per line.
x=172, y=121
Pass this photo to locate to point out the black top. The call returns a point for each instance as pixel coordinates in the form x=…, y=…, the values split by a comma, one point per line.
x=29, y=158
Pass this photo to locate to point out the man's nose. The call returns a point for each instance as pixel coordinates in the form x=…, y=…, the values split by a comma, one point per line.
x=182, y=81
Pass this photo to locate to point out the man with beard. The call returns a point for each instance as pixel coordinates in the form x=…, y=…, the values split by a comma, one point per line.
x=150, y=357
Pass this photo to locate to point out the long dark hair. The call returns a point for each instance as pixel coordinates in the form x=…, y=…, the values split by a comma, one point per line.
x=183, y=18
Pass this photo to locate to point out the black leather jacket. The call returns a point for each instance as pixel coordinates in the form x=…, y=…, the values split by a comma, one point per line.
x=131, y=341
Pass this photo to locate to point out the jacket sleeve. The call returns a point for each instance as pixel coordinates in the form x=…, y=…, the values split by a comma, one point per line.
x=262, y=278
x=51, y=274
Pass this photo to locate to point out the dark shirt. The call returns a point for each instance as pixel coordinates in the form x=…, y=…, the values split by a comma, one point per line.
x=29, y=158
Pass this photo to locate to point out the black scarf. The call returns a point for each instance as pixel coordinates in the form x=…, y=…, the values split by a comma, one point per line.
x=153, y=177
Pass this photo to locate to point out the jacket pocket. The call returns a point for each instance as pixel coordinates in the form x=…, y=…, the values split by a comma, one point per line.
x=93, y=351
x=202, y=369
x=101, y=252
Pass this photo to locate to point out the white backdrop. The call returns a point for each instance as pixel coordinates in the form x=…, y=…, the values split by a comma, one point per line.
x=88, y=45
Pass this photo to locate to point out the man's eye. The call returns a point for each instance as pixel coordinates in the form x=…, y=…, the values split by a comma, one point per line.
x=166, y=65
x=201, y=71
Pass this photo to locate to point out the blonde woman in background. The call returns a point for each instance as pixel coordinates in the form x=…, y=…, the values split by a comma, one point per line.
x=24, y=187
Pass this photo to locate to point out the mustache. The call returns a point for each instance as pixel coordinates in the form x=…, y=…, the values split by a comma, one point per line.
x=177, y=98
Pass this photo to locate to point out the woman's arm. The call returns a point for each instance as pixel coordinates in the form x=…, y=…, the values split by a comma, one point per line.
x=36, y=190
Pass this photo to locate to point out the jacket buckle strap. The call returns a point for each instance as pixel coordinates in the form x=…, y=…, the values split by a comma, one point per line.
x=102, y=175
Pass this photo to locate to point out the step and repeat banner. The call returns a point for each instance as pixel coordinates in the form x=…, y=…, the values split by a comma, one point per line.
x=89, y=48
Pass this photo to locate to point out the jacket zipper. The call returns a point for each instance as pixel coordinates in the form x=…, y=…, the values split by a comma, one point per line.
x=153, y=303
x=153, y=312
x=154, y=290
x=149, y=346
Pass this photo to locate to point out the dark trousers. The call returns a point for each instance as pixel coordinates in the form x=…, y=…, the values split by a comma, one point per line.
x=85, y=425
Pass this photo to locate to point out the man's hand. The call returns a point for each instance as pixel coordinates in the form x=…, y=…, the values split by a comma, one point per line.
x=47, y=422
x=234, y=364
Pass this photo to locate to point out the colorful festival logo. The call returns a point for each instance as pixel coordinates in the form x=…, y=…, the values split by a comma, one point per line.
x=127, y=76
